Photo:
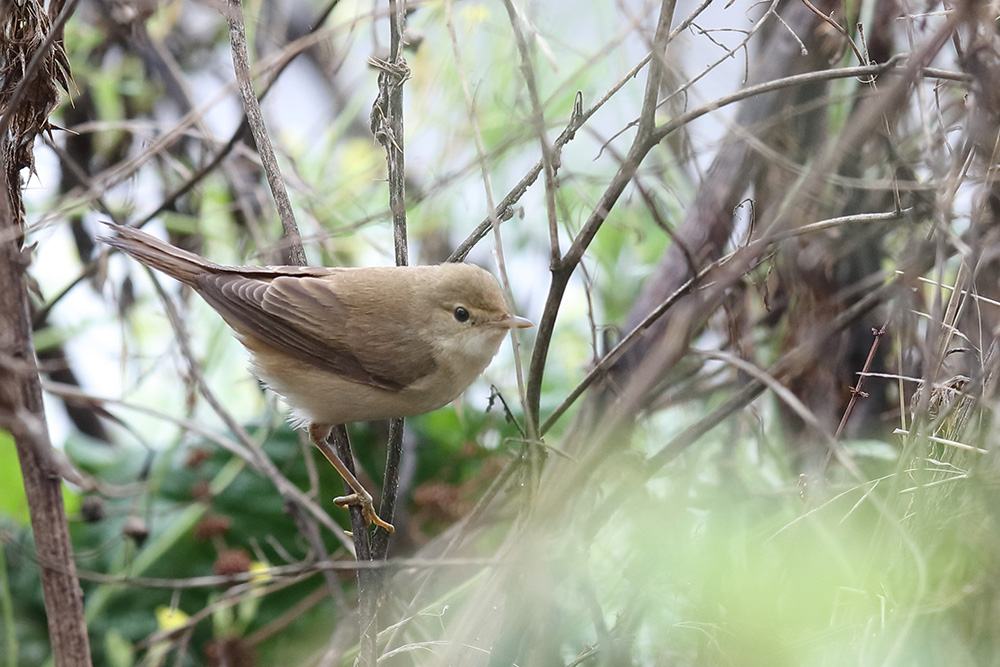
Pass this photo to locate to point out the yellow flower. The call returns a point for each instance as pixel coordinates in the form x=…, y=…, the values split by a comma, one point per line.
x=261, y=572
x=170, y=619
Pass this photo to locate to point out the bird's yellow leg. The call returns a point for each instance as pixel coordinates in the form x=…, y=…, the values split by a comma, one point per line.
x=319, y=433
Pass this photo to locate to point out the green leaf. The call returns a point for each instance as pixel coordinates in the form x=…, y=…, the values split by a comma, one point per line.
x=13, y=503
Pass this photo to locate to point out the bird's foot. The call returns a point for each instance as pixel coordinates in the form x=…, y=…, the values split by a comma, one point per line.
x=363, y=499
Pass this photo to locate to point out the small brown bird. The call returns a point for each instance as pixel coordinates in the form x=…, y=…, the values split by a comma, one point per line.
x=946, y=398
x=348, y=344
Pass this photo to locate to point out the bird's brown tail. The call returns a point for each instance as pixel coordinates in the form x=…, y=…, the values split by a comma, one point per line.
x=151, y=251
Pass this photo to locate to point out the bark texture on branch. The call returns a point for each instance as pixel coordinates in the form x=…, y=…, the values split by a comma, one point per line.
x=33, y=67
x=23, y=415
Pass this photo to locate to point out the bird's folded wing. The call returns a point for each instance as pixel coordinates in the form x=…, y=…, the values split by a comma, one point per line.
x=304, y=317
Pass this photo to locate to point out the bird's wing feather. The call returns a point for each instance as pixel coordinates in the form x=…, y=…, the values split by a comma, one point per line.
x=304, y=317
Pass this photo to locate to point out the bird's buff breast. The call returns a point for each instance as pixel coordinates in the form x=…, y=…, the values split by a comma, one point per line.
x=322, y=397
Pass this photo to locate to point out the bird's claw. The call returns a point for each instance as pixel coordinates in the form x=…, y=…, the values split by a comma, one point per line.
x=364, y=501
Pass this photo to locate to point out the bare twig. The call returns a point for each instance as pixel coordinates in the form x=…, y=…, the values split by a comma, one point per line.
x=292, y=250
x=549, y=165
x=563, y=269
x=492, y=213
x=505, y=209
x=367, y=582
x=856, y=390
x=387, y=128
x=629, y=339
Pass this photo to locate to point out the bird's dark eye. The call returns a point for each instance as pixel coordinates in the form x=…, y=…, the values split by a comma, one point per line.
x=461, y=314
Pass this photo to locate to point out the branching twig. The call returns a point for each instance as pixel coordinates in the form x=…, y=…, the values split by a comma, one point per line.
x=629, y=339
x=563, y=269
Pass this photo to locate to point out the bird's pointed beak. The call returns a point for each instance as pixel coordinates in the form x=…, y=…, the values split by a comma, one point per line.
x=508, y=321
x=512, y=322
